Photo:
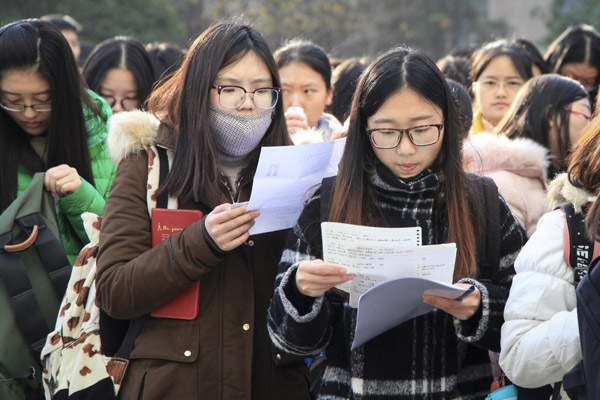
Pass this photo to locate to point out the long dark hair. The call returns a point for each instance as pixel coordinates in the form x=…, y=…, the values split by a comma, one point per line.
x=120, y=52
x=579, y=43
x=183, y=103
x=352, y=202
x=543, y=100
x=584, y=171
x=39, y=46
x=305, y=52
x=483, y=56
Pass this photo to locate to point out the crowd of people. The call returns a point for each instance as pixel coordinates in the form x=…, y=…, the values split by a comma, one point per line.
x=421, y=140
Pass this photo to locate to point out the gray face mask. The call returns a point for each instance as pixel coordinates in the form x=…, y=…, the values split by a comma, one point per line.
x=237, y=135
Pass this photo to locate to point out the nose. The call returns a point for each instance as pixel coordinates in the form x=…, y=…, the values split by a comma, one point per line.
x=117, y=107
x=29, y=112
x=501, y=89
x=248, y=103
x=405, y=146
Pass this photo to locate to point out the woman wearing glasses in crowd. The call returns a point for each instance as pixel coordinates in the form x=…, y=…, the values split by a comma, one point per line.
x=400, y=167
x=531, y=143
x=213, y=116
x=50, y=123
x=576, y=54
x=120, y=70
x=498, y=70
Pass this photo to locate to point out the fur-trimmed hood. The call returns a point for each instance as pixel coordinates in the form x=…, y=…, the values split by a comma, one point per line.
x=485, y=152
x=561, y=191
x=130, y=132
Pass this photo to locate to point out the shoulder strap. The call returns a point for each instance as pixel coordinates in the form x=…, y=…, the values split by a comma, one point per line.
x=488, y=250
x=126, y=346
x=162, y=201
x=327, y=187
x=578, y=249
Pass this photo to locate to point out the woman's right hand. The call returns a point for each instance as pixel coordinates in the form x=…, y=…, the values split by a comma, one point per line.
x=228, y=227
x=315, y=277
x=295, y=123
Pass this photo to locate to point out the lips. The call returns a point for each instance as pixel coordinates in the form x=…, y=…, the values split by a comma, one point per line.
x=500, y=104
x=407, y=168
x=32, y=124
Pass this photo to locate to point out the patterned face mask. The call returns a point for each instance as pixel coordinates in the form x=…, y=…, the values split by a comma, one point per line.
x=237, y=135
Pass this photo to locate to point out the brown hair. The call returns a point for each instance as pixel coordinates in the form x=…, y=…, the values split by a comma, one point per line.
x=183, y=103
x=584, y=169
x=352, y=200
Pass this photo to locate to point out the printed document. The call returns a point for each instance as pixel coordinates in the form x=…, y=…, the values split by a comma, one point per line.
x=378, y=254
x=286, y=176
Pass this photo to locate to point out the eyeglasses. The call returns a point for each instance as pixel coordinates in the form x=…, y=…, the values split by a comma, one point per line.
x=584, y=115
x=16, y=107
x=512, y=85
x=127, y=103
x=234, y=96
x=389, y=138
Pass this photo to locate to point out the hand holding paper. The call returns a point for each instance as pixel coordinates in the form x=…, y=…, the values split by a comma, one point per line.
x=315, y=277
x=462, y=308
x=228, y=226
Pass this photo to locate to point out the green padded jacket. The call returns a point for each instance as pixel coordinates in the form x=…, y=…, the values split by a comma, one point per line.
x=87, y=197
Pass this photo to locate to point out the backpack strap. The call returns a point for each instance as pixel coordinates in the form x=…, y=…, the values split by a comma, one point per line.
x=163, y=200
x=578, y=249
x=485, y=191
x=493, y=225
x=327, y=187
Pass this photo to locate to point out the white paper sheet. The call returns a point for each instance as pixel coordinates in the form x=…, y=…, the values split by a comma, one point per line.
x=375, y=255
x=286, y=176
x=395, y=301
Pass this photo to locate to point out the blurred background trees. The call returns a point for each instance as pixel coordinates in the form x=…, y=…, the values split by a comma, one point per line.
x=344, y=28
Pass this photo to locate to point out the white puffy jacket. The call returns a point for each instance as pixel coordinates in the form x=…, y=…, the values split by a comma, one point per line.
x=540, y=336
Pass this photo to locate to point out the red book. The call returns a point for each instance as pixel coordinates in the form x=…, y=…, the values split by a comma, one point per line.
x=166, y=222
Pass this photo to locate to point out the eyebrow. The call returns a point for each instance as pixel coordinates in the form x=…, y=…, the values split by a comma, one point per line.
x=111, y=90
x=418, y=118
x=239, y=82
x=490, y=76
x=21, y=94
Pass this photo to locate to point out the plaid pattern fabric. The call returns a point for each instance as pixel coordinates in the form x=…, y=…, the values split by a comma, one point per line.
x=430, y=357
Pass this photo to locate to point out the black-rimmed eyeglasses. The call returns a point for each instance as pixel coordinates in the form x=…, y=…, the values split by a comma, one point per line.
x=127, y=103
x=389, y=138
x=234, y=96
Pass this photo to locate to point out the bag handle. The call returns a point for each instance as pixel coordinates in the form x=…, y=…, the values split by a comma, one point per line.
x=14, y=248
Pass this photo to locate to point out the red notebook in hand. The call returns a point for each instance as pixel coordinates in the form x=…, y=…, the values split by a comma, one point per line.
x=166, y=222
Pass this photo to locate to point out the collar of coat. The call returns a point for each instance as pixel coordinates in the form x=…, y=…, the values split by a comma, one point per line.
x=132, y=131
x=562, y=191
x=485, y=153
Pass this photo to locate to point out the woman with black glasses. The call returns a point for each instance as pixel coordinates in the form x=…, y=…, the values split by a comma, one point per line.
x=400, y=168
x=211, y=117
x=120, y=70
x=50, y=123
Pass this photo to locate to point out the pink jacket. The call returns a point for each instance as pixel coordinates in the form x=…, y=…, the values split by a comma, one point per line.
x=518, y=166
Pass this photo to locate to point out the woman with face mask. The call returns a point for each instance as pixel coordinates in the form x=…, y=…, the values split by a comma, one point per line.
x=212, y=116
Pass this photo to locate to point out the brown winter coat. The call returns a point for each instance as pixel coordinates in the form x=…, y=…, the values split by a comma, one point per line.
x=225, y=353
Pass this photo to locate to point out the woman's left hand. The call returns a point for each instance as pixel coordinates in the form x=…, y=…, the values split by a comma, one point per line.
x=461, y=309
x=62, y=180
